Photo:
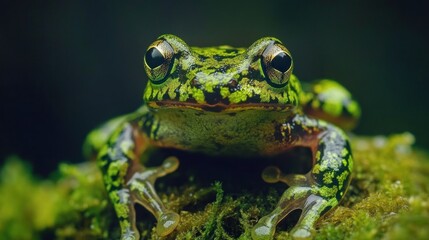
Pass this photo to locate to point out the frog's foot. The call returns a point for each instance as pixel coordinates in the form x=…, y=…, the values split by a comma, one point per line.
x=301, y=194
x=141, y=186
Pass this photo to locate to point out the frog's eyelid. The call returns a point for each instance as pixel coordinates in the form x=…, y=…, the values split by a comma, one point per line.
x=177, y=44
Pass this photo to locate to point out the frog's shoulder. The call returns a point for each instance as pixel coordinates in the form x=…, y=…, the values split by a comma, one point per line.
x=98, y=137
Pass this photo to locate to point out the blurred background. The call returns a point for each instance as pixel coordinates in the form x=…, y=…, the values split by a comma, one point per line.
x=68, y=66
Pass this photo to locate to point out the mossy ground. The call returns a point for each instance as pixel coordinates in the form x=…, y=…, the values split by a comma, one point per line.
x=387, y=199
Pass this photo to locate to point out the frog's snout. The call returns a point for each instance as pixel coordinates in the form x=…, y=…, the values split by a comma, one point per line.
x=214, y=93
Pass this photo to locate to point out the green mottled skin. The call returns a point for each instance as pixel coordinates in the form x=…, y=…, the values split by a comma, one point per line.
x=219, y=101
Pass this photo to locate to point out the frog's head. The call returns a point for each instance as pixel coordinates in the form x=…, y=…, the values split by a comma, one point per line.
x=220, y=78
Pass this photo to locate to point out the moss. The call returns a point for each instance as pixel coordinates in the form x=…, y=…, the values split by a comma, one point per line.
x=387, y=199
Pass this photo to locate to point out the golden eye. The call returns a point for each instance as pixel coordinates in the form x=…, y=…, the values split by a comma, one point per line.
x=277, y=65
x=158, y=61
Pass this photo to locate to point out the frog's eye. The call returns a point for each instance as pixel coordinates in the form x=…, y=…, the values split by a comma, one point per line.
x=158, y=61
x=277, y=65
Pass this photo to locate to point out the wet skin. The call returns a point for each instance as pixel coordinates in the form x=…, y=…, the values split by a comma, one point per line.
x=196, y=95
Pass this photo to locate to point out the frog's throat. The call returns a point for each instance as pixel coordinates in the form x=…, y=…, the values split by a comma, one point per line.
x=220, y=107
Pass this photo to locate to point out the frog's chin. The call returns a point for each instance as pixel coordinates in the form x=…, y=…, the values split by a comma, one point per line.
x=220, y=107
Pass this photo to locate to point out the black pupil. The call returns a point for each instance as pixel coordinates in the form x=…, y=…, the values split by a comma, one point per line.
x=281, y=62
x=154, y=58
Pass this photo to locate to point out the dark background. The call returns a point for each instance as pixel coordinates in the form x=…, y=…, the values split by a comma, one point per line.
x=66, y=67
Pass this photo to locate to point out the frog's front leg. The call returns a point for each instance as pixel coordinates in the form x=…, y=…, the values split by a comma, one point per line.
x=317, y=191
x=128, y=181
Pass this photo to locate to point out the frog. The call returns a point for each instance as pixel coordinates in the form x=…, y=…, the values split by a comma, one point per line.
x=234, y=102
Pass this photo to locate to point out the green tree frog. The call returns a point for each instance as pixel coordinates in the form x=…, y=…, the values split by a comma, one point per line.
x=196, y=95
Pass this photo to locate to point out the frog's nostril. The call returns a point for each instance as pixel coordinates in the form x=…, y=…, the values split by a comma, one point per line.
x=195, y=83
x=232, y=85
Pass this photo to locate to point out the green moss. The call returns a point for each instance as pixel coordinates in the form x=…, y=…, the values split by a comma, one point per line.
x=387, y=199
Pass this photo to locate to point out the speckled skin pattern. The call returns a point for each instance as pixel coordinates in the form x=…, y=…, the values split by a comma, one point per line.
x=225, y=101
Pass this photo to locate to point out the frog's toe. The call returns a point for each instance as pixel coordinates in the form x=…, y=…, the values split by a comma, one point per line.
x=264, y=229
x=143, y=192
x=271, y=174
x=167, y=222
x=169, y=165
x=302, y=232
x=302, y=194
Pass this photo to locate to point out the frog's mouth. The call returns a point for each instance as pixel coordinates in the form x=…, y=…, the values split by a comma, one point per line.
x=220, y=107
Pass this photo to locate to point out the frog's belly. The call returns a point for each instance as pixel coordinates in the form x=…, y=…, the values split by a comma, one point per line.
x=229, y=147
x=245, y=151
x=242, y=134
